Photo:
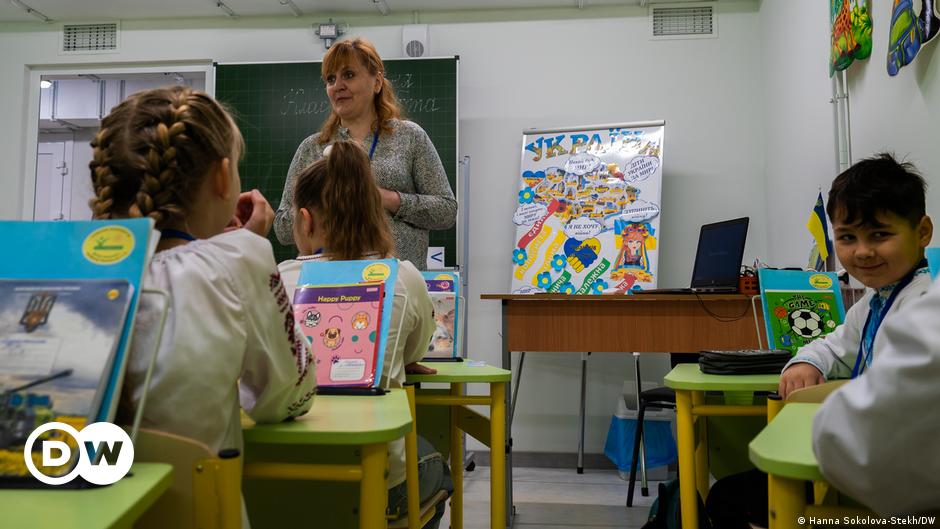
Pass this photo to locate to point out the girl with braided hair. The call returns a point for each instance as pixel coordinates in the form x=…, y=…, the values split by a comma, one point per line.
x=171, y=154
x=338, y=215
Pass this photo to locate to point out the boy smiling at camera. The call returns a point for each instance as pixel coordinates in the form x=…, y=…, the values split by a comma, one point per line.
x=877, y=210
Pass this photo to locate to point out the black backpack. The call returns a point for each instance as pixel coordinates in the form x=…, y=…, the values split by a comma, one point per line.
x=664, y=513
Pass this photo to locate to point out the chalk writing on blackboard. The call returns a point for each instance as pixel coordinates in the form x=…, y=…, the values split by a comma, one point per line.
x=296, y=102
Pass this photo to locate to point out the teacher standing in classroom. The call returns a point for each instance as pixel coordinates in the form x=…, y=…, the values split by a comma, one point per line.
x=405, y=165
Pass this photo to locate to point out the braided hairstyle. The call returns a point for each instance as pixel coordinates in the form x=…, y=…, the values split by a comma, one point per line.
x=153, y=151
x=341, y=189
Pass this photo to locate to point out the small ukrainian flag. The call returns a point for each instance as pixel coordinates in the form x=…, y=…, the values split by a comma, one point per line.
x=819, y=229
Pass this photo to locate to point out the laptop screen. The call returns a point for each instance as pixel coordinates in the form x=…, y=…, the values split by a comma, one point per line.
x=719, y=254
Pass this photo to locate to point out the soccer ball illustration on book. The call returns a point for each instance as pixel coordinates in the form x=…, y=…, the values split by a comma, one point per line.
x=806, y=323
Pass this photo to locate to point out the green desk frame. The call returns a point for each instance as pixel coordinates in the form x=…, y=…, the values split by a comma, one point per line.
x=489, y=431
x=116, y=506
x=690, y=385
x=365, y=422
x=784, y=450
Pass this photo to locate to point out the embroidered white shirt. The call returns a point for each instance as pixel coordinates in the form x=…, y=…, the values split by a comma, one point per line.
x=835, y=354
x=230, y=341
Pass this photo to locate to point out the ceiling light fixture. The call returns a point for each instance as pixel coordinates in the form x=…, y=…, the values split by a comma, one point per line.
x=228, y=10
x=30, y=11
x=382, y=7
x=293, y=7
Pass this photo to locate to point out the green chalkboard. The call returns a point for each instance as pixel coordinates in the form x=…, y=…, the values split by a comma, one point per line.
x=277, y=105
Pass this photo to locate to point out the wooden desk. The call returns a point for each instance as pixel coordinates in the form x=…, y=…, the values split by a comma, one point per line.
x=690, y=385
x=114, y=506
x=618, y=324
x=489, y=431
x=362, y=421
x=668, y=323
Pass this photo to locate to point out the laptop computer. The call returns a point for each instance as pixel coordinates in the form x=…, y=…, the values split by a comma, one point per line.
x=717, y=259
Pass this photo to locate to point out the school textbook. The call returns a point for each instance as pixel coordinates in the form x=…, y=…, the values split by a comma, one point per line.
x=799, y=307
x=345, y=310
x=443, y=287
x=57, y=345
x=68, y=297
x=342, y=324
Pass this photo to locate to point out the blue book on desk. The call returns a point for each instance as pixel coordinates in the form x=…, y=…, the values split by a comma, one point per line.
x=799, y=307
x=331, y=273
x=79, y=250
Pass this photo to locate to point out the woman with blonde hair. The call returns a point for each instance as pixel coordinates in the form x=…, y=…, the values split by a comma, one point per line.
x=413, y=186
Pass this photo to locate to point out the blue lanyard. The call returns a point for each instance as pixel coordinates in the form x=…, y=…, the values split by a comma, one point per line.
x=870, y=330
x=375, y=141
x=176, y=234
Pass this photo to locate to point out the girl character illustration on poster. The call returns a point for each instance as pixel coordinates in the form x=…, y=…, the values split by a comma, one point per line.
x=633, y=247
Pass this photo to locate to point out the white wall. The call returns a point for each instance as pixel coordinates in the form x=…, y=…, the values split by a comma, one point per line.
x=82, y=191
x=515, y=75
x=887, y=113
x=525, y=75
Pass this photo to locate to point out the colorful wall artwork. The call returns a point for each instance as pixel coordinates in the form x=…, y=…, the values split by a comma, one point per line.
x=587, y=214
x=851, y=33
x=909, y=31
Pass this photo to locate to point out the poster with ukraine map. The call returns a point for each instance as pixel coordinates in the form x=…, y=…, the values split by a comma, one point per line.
x=587, y=214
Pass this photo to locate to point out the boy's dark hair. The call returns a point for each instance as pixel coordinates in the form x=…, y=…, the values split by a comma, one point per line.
x=874, y=185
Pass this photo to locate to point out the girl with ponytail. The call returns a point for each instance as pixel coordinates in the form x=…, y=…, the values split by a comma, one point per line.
x=230, y=341
x=337, y=215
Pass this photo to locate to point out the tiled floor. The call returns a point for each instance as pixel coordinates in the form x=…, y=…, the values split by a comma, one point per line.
x=557, y=498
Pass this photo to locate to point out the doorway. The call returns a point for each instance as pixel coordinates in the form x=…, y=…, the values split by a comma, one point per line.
x=71, y=106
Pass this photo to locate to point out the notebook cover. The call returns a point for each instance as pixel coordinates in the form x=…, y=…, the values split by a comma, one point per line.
x=799, y=307
x=354, y=272
x=342, y=324
x=94, y=249
x=443, y=287
x=57, y=348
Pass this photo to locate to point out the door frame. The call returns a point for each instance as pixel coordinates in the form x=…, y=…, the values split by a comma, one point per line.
x=35, y=74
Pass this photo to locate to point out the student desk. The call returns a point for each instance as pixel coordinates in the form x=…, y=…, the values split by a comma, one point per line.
x=665, y=323
x=690, y=385
x=784, y=450
x=367, y=422
x=489, y=431
x=114, y=506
